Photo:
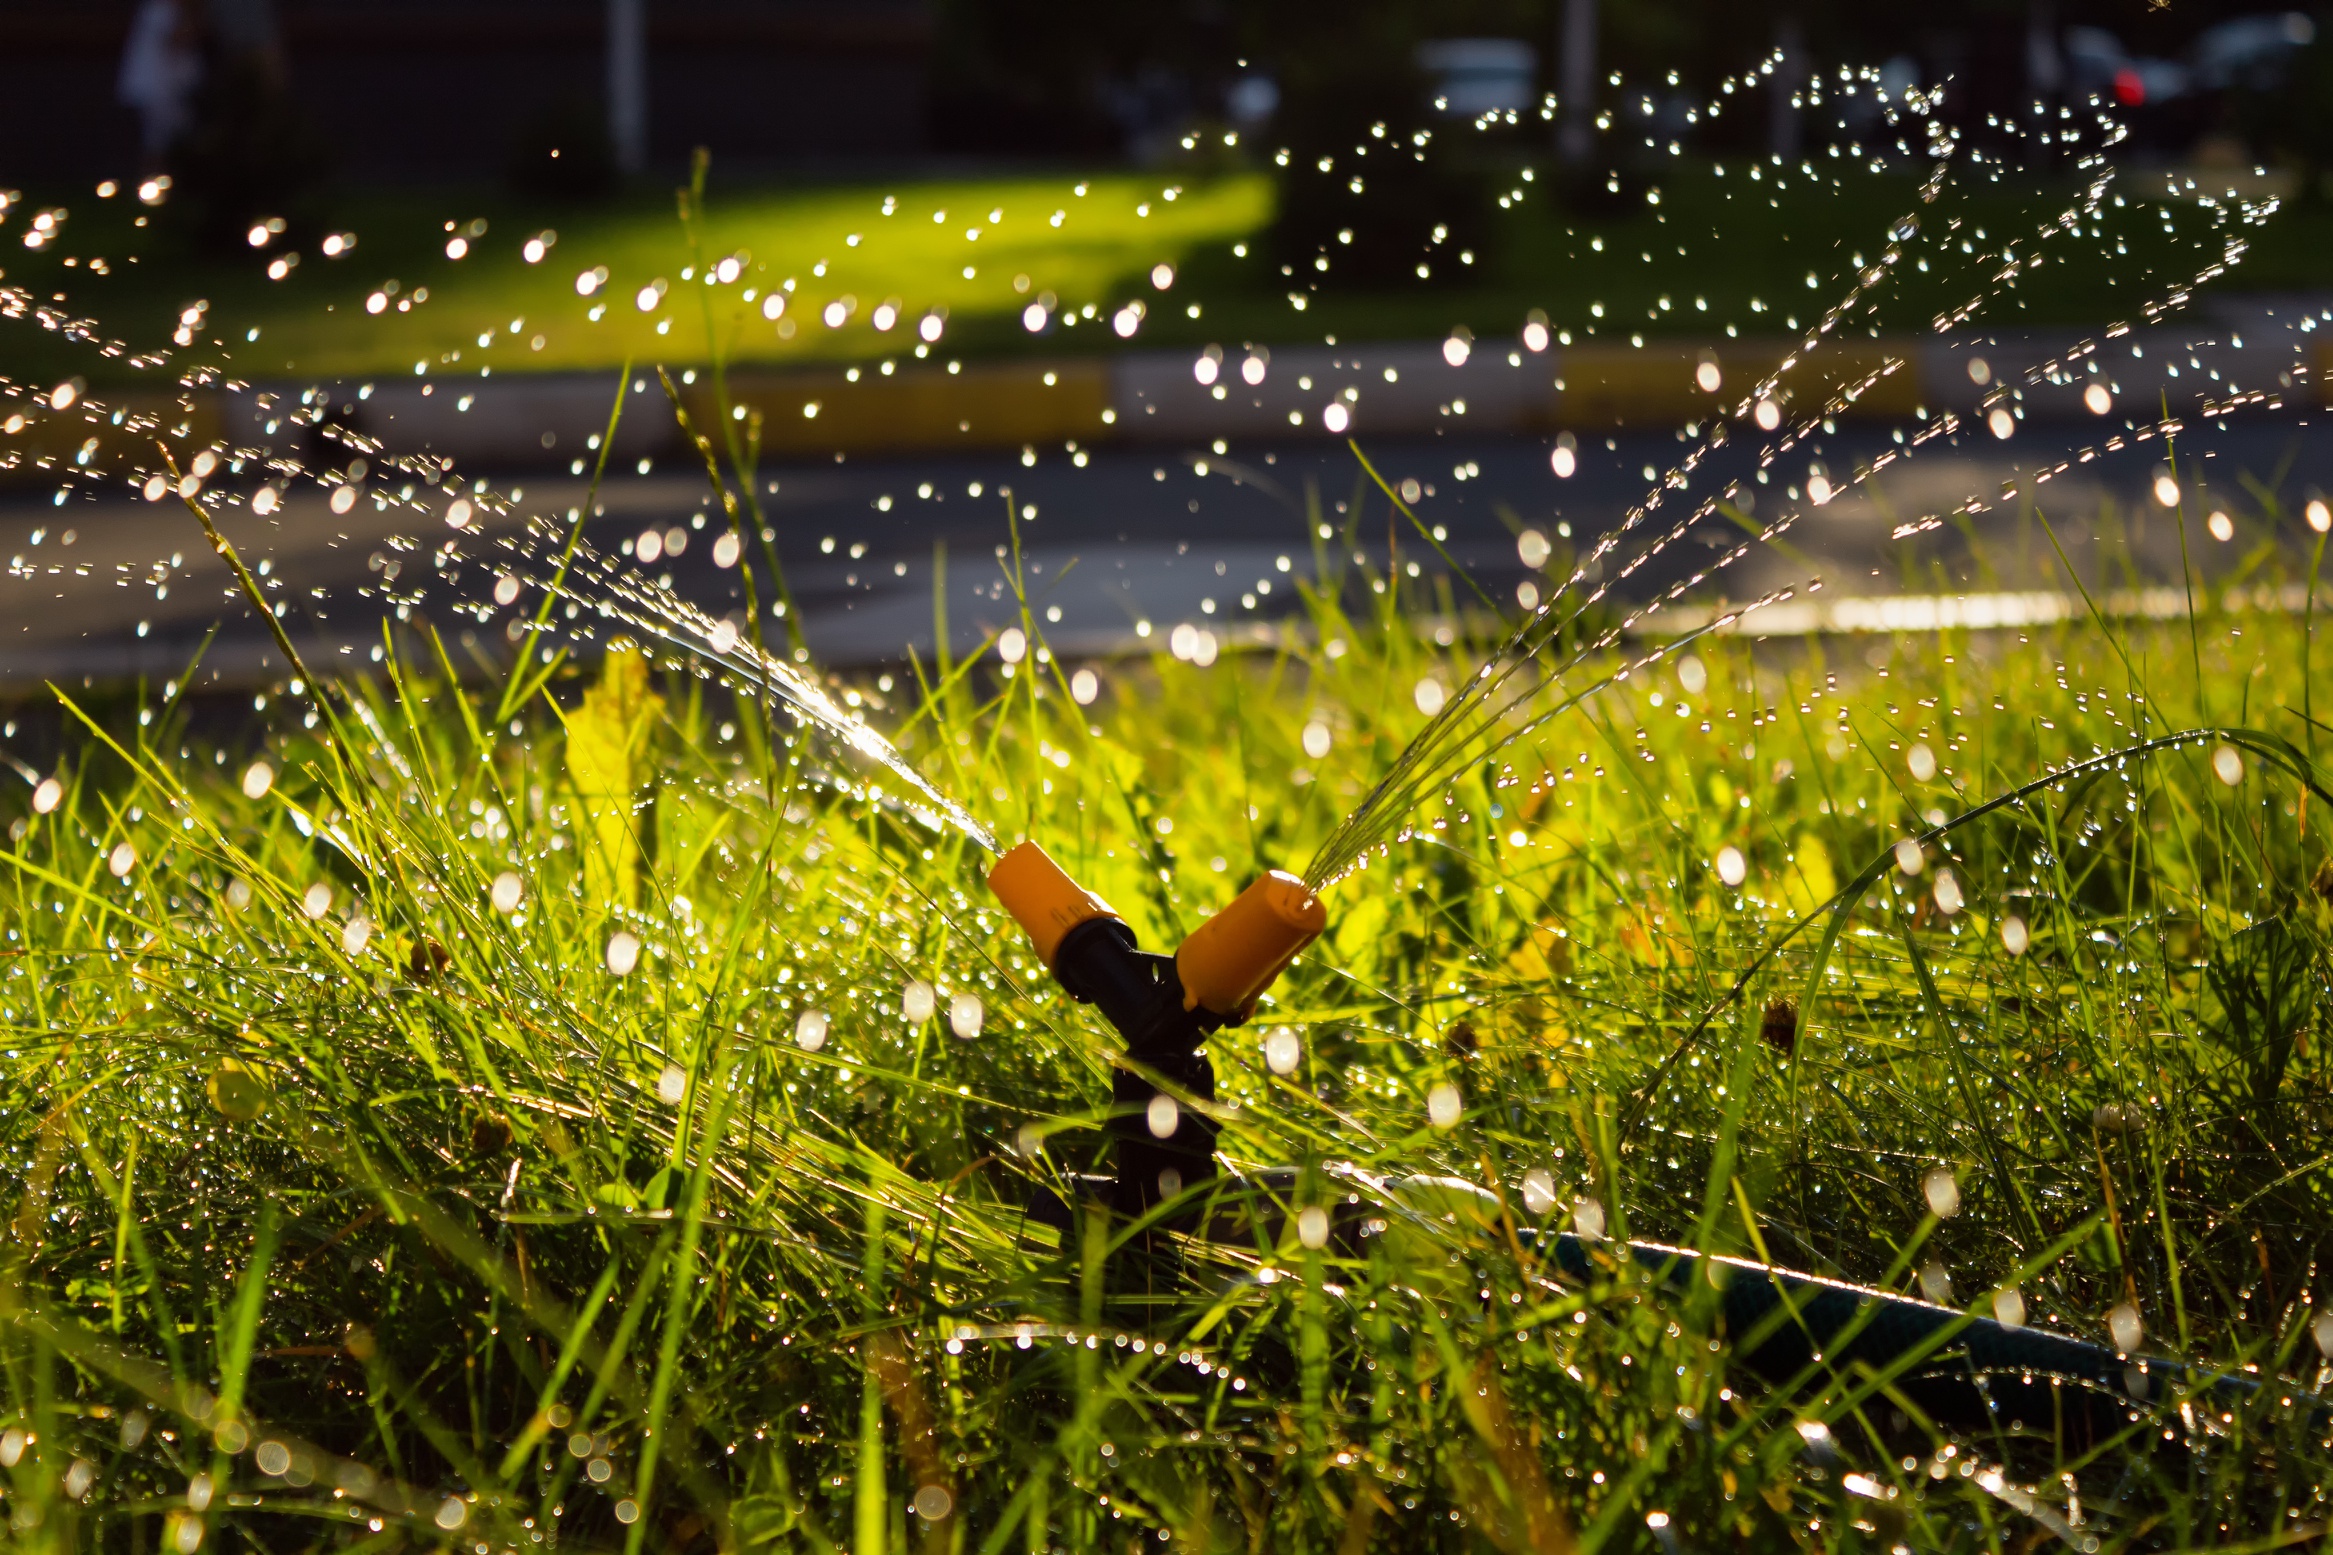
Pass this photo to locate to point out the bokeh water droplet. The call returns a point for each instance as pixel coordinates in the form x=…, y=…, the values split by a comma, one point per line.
x=1283, y=1050
x=1444, y=1106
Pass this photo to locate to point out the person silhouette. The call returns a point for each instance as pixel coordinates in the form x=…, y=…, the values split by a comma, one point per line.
x=161, y=67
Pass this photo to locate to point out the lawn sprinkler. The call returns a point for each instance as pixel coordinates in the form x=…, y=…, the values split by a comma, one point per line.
x=1165, y=1007
x=1956, y=1367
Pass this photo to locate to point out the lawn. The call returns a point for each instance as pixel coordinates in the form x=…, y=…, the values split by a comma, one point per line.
x=589, y=1097
x=1754, y=251
x=600, y=1112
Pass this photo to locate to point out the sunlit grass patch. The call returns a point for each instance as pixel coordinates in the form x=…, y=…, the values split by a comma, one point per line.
x=622, y=1121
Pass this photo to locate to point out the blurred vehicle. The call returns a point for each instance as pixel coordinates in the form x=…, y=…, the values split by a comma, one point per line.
x=1473, y=76
x=2249, y=53
x=2097, y=66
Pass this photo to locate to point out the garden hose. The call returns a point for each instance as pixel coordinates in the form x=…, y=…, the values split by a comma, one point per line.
x=1959, y=1370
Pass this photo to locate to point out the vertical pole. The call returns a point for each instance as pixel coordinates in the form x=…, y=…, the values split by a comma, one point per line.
x=1577, y=139
x=2044, y=73
x=628, y=84
x=1789, y=76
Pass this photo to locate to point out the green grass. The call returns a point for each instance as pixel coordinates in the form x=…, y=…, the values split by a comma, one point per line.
x=442, y=1212
x=1719, y=252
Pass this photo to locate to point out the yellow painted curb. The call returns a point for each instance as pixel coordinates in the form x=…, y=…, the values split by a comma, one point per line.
x=48, y=442
x=927, y=409
x=1608, y=386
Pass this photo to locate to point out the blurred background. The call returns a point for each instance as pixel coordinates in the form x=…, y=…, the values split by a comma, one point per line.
x=277, y=95
x=1147, y=266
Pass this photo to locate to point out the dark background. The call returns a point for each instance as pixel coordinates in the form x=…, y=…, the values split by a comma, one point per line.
x=468, y=90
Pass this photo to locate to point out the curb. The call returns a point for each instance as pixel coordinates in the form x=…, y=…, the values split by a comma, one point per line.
x=1396, y=389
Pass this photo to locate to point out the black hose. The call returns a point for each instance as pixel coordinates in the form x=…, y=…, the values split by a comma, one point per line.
x=1961, y=1371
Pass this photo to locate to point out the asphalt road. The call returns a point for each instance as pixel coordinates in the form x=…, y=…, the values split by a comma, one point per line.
x=102, y=590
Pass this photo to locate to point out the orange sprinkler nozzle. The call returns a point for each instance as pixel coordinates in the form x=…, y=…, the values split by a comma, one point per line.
x=1233, y=957
x=1042, y=898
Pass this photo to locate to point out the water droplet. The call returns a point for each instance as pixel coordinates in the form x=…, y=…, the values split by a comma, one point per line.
x=672, y=1084
x=122, y=860
x=1909, y=858
x=2227, y=765
x=965, y=1015
x=1283, y=1050
x=2122, y=1323
x=1012, y=645
x=810, y=1031
x=1588, y=1219
x=317, y=900
x=2009, y=1308
x=1444, y=1105
x=1942, y=1191
x=1922, y=763
x=623, y=952
x=1430, y=696
x=1162, y=1116
x=47, y=796
x=355, y=935
x=237, y=1091
x=507, y=891
x=2014, y=937
x=1538, y=1190
x=1312, y=1226
x=1731, y=867
x=933, y=1503
x=917, y=1001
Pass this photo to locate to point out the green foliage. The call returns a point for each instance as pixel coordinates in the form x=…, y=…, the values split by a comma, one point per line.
x=343, y=1167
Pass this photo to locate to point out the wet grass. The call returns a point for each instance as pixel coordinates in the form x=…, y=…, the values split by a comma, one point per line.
x=582, y=1111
